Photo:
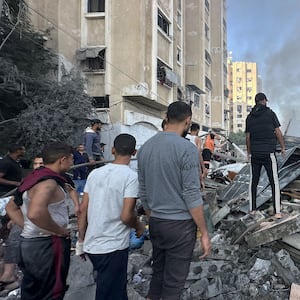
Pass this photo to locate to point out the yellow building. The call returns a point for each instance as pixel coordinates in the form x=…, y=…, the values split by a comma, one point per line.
x=242, y=84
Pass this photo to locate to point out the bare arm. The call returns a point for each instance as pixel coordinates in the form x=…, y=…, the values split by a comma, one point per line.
x=74, y=196
x=41, y=195
x=129, y=217
x=198, y=217
x=15, y=213
x=280, y=140
x=82, y=218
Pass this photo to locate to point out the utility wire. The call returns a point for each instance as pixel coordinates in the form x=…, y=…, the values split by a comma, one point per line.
x=78, y=41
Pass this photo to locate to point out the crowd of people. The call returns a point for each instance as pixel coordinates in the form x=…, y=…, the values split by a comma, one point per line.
x=171, y=170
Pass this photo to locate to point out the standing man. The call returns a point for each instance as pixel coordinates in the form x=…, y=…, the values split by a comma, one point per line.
x=194, y=139
x=10, y=169
x=10, y=178
x=107, y=213
x=92, y=141
x=168, y=170
x=80, y=157
x=262, y=133
x=45, y=242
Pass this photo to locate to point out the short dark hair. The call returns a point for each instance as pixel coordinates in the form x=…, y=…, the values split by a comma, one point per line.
x=163, y=124
x=125, y=144
x=54, y=151
x=15, y=147
x=195, y=126
x=96, y=121
x=260, y=97
x=178, y=111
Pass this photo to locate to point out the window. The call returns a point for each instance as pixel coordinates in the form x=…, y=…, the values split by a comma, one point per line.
x=207, y=109
x=101, y=102
x=97, y=63
x=208, y=83
x=208, y=57
x=179, y=18
x=239, y=116
x=96, y=6
x=179, y=5
x=180, y=95
x=161, y=73
x=163, y=23
x=178, y=55
x=207, y=4
x=239, y=125
x=206, y=31
x=249, y=108
x=196, y=100
x=239, y=108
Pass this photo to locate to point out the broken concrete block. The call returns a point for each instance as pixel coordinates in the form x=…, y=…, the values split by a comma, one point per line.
x=284, y=258
x=260, y=269
x=275, y=231
x=295, y=292
x=220, y=214
x=198, y=288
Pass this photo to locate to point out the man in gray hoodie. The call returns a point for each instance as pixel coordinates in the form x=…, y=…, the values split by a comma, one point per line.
x=92, y=140
x=168, y=172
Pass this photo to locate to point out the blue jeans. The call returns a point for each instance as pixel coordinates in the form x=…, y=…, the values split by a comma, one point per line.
x=111, y=278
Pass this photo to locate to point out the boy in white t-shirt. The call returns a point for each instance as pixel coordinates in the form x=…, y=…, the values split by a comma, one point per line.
x=107, y=214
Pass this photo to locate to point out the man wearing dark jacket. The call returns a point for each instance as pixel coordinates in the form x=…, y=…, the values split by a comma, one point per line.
x=262, y=133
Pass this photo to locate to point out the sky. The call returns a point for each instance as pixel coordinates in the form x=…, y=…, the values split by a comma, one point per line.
x=268, y=32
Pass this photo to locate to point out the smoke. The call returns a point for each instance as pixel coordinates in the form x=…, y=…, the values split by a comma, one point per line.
x=267, y=32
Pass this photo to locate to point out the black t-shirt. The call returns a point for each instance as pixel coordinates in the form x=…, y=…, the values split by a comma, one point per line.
x=12, y=171
x=261, y=124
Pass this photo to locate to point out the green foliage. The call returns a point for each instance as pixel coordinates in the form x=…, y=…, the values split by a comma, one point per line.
x=238, y=138
x=34, y=107
x=59, y=115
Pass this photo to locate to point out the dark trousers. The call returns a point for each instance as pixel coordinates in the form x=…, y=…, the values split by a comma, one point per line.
x=111, y=278
x=173, y=243
x=45, y=264
x=269, y=162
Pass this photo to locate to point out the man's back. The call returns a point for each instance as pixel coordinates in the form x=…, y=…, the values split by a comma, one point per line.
x=261, y=124
x=169, y=170
x=107, y=187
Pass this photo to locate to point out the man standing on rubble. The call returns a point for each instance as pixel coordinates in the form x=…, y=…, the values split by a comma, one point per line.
x=262, y=133
x=168, y=170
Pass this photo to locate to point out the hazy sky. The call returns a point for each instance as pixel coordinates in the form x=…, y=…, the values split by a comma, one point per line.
x=268, y=32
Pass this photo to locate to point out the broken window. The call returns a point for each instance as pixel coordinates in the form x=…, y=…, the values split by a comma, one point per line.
x=166, y=76
x=101, y=102
x=196, y=100
x=96, y=5
x=97, y=63
x=163, y=23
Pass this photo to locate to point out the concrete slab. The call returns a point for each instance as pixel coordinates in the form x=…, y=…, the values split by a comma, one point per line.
x=275, y=230
x=295, y=292
x=220, y=214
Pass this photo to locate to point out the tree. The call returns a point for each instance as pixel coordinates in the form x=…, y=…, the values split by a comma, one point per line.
x=238, y=138
x=34, y=107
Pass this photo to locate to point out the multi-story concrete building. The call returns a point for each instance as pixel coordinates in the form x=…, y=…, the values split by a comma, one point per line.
x=219, y=94
x=242, y=84
x=137, y=57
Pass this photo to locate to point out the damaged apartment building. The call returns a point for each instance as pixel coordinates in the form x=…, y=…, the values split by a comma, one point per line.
x=139, y=56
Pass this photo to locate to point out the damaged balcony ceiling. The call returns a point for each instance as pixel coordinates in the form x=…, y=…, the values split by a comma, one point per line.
x=288, y=171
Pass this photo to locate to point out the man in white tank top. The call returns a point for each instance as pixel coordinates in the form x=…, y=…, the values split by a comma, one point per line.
x=45, y=242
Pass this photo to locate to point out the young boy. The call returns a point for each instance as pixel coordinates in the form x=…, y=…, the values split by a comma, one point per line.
x=107, y=213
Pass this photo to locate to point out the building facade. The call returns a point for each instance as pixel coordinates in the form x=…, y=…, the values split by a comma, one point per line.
x=139, y=56
x=243, y=86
